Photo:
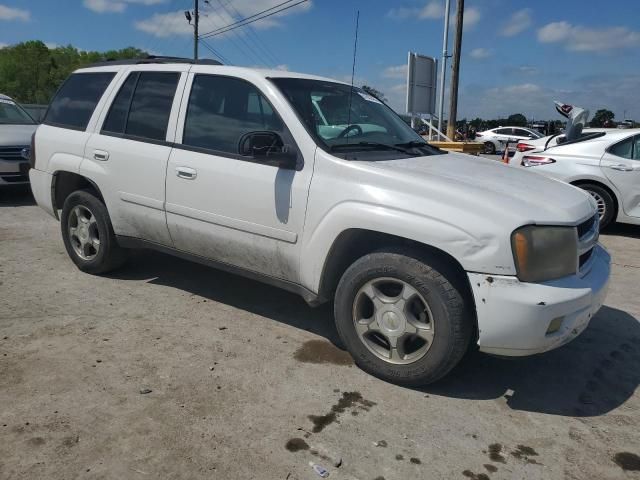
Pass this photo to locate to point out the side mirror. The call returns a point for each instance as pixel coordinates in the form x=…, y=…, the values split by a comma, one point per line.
x=268, y=148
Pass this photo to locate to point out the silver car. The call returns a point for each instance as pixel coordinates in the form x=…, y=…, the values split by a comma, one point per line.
x=16, y=128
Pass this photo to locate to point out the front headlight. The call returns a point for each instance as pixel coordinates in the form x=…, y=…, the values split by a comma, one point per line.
x=544, y=253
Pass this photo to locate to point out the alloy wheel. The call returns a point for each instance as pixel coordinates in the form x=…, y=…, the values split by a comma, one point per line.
x=393, y=320
x=83, y=232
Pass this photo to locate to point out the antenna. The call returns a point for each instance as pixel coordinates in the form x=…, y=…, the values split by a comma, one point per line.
x=353, y=69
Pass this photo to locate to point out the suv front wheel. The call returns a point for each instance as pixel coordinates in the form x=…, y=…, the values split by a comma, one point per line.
x=404, y=317
x=88, y=235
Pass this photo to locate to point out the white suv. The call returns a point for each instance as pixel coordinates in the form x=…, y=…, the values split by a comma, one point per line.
x=317, y=187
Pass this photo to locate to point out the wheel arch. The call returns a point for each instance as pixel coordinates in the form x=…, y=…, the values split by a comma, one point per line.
x=588, y=181
x=64, y=183
x=354, y=243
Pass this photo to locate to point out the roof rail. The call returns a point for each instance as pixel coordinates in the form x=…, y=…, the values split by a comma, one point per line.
x=153, y=59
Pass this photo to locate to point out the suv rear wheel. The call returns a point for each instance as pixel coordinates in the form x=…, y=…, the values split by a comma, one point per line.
x=88, y=235
x=403, y=316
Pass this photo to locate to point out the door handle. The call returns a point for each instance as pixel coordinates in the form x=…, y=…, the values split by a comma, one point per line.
x=186, y=173
x=621, y=167
x=101, y=155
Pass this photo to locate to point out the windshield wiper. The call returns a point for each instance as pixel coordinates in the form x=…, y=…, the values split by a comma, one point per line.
x=385, y=146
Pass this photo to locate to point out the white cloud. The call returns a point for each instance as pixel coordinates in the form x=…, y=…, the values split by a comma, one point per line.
x=2, y=45
x=51, y=45
x=8, y=13
x=174, y=23
x=165, y=24
x=431, y=10
x=480, y=53
x=395, y=71
x=536, y=100
x=283, y=67
x=517, y=23
x=115, y=6
x=472, y=16
x=583, y=39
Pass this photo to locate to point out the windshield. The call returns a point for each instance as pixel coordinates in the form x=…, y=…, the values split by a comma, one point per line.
x=13, y=114
x=349, y=121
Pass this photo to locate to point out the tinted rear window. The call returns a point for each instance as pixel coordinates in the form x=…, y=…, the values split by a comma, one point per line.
x=151, y=105
x=76, y=100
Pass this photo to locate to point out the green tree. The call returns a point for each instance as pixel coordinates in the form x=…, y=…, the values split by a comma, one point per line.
x=517, y=120
x=601, y=117
x=31, y=72
x=375, y=93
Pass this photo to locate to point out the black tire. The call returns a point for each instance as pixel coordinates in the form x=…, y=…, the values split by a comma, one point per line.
x=602, y=195
x=447, y=295
x=489, y=148
x=109, y=256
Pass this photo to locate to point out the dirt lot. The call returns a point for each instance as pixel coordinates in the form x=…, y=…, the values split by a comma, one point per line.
x=246, y=381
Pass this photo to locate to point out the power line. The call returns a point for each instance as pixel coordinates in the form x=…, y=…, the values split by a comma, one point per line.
x=249, y=51
x=251, y=19
x=254, y=36
x=215, y=52
x=252, y=16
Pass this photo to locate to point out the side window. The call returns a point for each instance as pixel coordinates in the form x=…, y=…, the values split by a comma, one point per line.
x=76, y=100
x=522, y=133
x=222, y=109
x=636, y=147
x=143, y=105
x=117, y=117
x=622, y=149
x=503, y=131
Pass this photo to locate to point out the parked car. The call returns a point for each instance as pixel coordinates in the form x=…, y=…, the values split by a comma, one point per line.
x=423, y=252
x=16, y=128
x=522, y=147
x=606, y=164
x=495, y=139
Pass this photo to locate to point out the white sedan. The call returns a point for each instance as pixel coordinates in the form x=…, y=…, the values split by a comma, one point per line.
x=495, y=139
x=606, y=164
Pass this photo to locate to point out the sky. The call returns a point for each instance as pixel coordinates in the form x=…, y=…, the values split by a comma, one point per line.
x=517, y=56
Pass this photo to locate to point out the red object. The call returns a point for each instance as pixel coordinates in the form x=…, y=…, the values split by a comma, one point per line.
x=505, y=155
x=524, y=147
x=534, y=160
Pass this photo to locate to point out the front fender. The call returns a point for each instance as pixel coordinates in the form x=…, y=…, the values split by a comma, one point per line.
x=475, y=253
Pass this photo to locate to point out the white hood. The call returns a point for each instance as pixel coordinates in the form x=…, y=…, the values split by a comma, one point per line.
x=492, y=188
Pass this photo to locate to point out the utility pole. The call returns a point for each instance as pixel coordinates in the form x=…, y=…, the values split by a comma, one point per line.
x=196, y=20
x=455, y=71
x=443, y=67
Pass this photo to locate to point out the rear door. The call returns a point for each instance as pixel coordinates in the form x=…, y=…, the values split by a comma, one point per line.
x=127, y=155
x=621, y=165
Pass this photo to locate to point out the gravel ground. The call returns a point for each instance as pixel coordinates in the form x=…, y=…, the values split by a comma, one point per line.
x=168, y=369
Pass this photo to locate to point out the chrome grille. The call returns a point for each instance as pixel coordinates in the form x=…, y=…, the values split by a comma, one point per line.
x=588, y=234
x=12, y=153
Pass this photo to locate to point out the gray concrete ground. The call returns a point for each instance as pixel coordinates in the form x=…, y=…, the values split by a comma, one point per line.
x=246, y=381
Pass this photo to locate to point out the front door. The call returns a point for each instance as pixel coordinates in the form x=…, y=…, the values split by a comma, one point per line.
x=227, y=207
x=621, y=165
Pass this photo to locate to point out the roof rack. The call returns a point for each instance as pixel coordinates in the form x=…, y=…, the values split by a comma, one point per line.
x=154, y=59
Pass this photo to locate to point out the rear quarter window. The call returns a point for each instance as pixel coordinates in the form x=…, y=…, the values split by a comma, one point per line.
x=75, y=101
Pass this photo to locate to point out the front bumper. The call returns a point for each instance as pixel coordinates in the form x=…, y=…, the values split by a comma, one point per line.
x=514, y=317
x=14, y=172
